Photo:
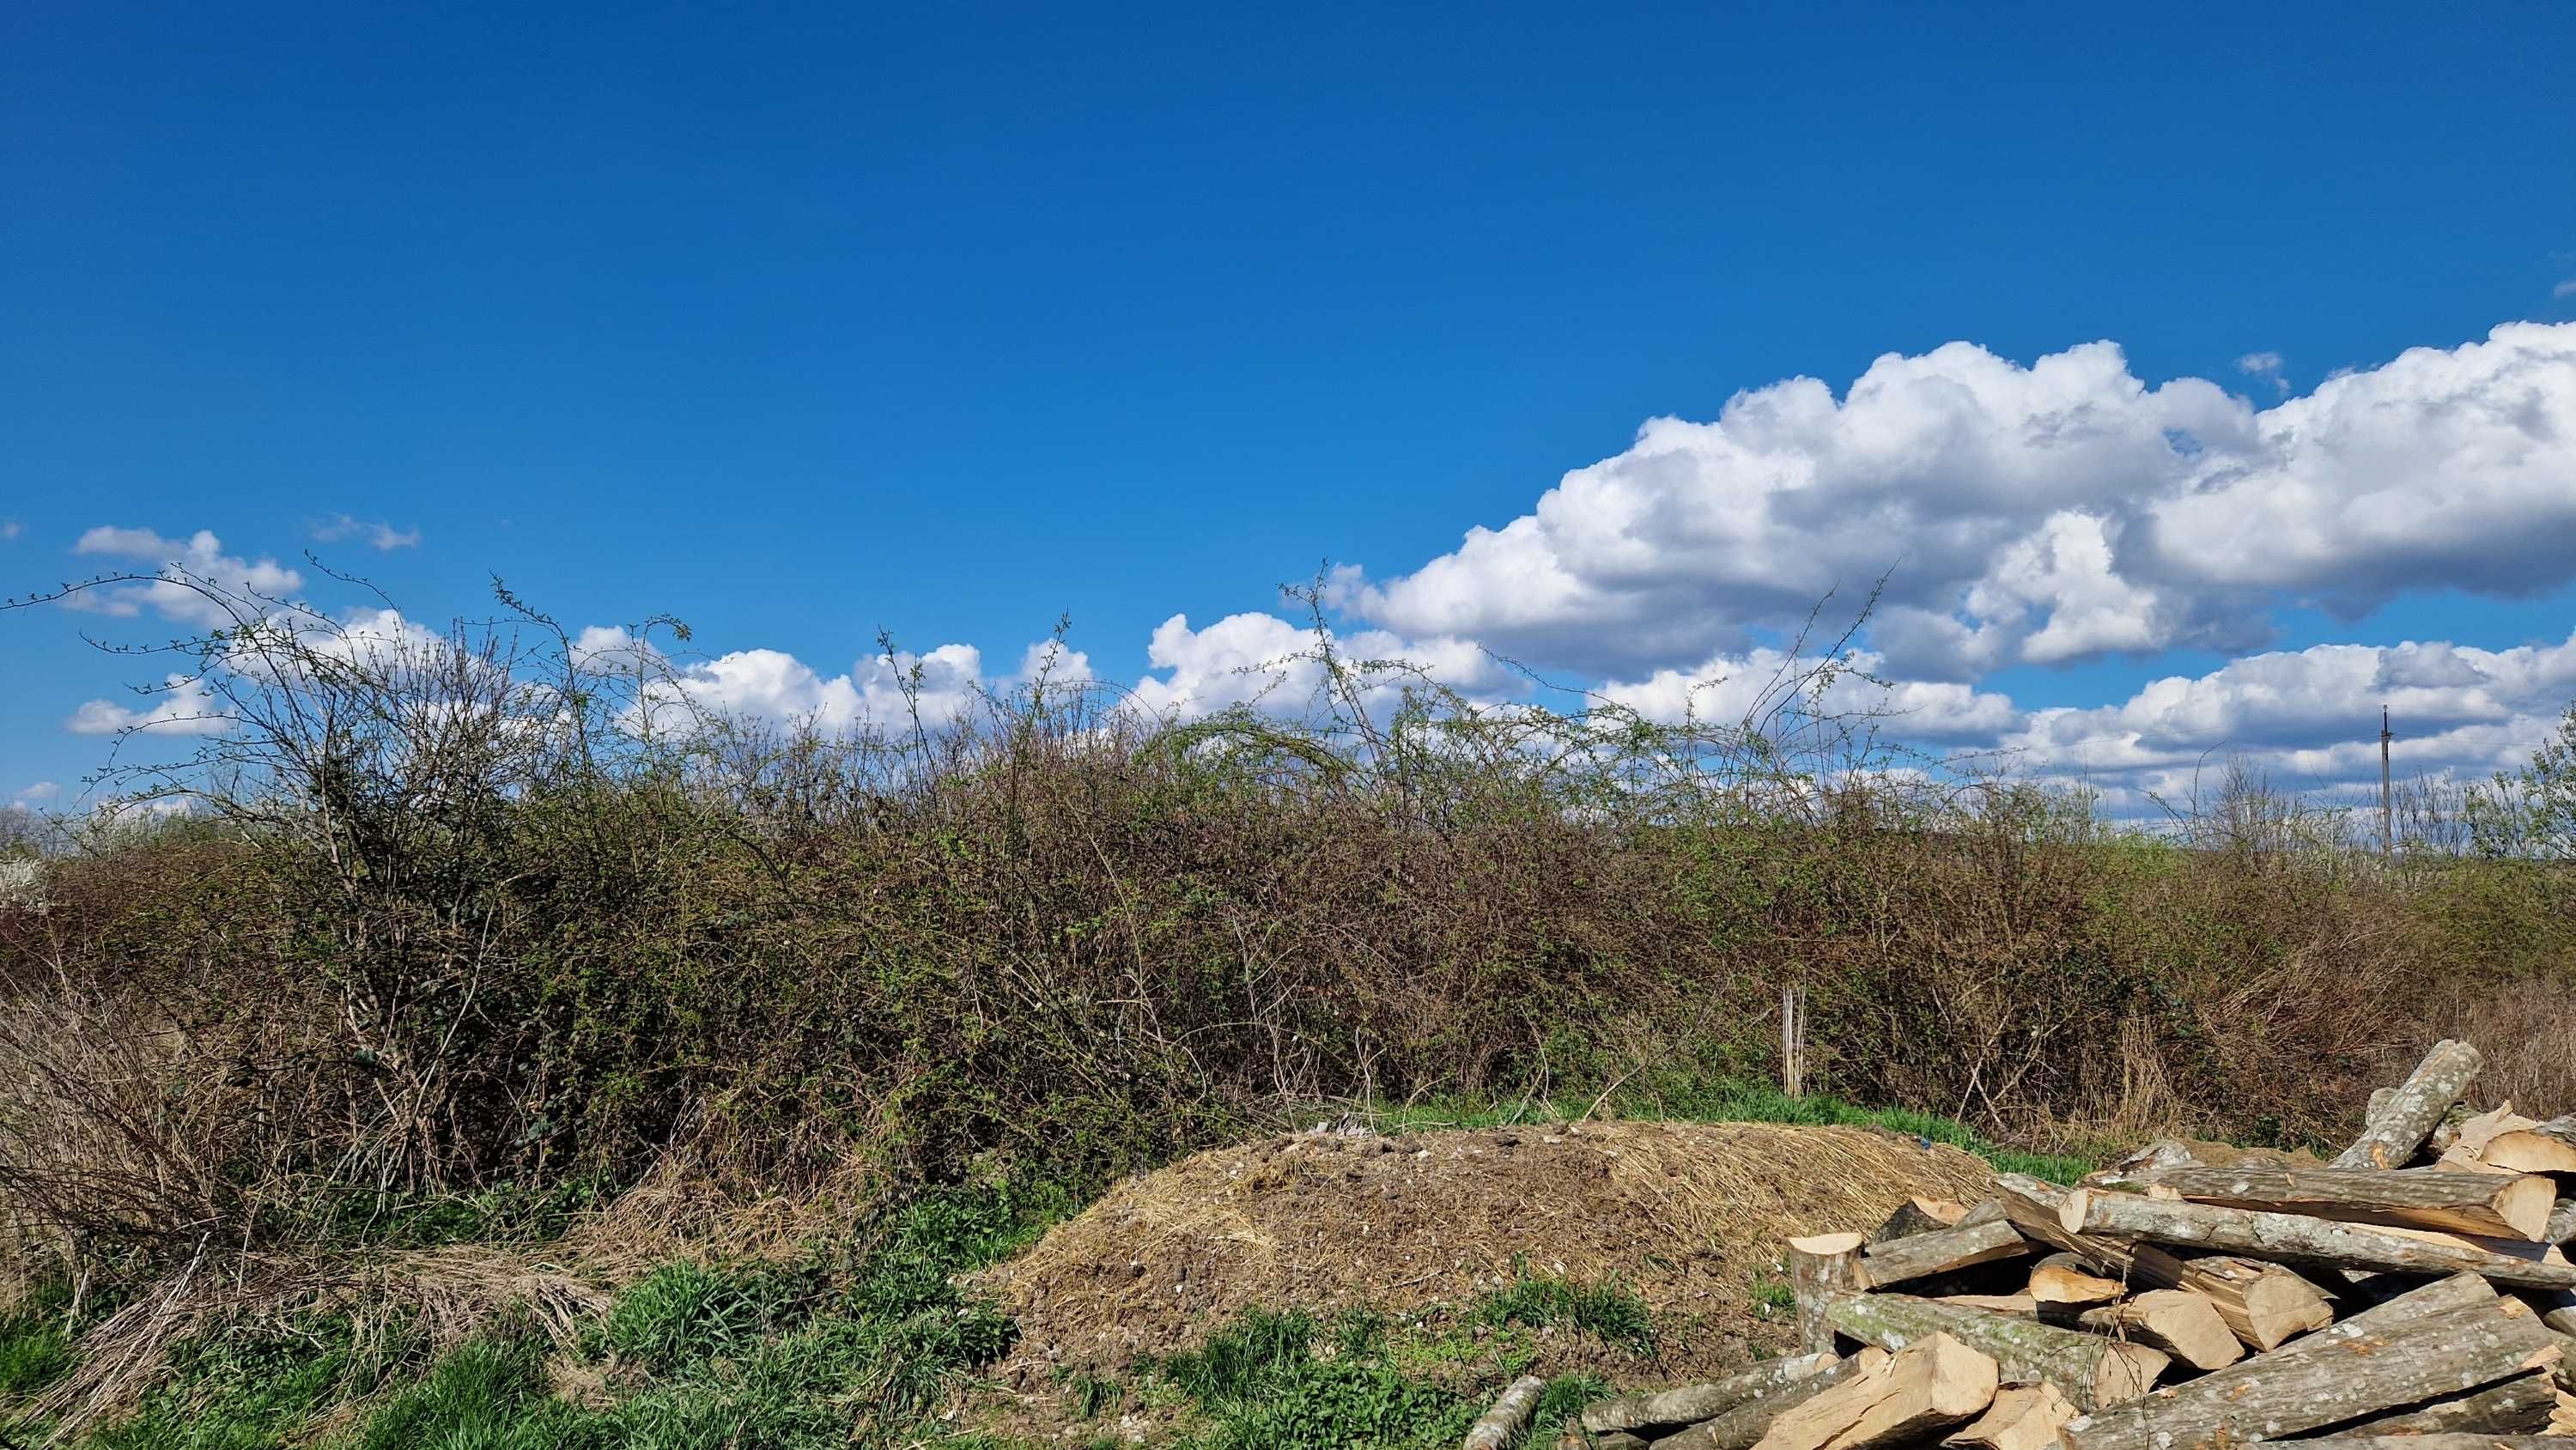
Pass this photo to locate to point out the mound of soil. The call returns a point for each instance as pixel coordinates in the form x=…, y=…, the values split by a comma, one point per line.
x=1691, y=1216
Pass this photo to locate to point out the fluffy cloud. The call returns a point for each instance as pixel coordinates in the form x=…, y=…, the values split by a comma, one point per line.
x=1728, y=689
x=1266, y=661
x=378, y=535
x=2452, y=469
x=2313, y=716
x=10, y=529
x=180, y=706
x=201, y=555
x=772, y=685
x=37, y=794
x=2036, y=514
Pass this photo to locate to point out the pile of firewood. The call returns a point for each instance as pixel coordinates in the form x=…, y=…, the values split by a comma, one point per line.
x=2413, y=1288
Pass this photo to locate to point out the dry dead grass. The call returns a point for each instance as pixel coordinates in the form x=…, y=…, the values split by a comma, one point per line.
x=1688, y=1215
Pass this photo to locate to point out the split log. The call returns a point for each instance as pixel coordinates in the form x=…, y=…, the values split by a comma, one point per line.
x=1502, y=1424
x=1617, y=1440
x=1943, y=1251
x=2290, y=1236
x=1813, y=1424
x=2177, y=1321
x=2514, y=1205
x=2059, y=1280
x=2447, y=1337
x=2472, y=1134
x=1822, y=1268
x=1918, y=1216
x=2090, y=1370
x=2406, y=1117
x=1665, y=1409
x=2561, y=1228
x=2518, y=1404
x=1740, y=1427
x=1935, y=1383
x=2541, y=1148
x=2023, y=1417
x=2263, y=1304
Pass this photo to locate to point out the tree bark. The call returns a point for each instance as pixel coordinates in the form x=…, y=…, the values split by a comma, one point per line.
x=1918, y=1216
x=2449, y=1336
x=2289, y=1236
x=1740, y=1427
x=2514, y=1205
x=2263, y=1304
x=1822, y=1268
x=2089, y=1370
x=1942, y=1251
x=1665, y=1409
x=2401, y=1123
x=1503, y=1422
x=2518, y=1404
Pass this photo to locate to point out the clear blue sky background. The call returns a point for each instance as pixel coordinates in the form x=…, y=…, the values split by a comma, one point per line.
x=800, y=320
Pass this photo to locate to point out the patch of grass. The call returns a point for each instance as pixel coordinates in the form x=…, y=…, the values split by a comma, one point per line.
x=486, y=1394
x=35, y=1343
x=1565, y=1396
x=245, y=1388
x=1091, y=1395
x=684, y=1311
x=1610, y=1312
x=1262, y=1383
x=804, y=1356
x=1773, y=1296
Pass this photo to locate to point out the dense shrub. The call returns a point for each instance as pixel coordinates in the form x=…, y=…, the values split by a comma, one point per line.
x=474, y=912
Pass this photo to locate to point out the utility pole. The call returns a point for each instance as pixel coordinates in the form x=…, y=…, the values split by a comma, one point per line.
x=2387, y=812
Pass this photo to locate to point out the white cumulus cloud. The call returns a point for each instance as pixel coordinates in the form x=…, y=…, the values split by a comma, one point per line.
x=201, y=554
x=180, y=705
x=1265, y=661
x=2313, y=714
x=2027, y=514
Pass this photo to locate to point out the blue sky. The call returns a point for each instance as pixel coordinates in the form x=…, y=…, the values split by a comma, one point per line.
x=804, y=320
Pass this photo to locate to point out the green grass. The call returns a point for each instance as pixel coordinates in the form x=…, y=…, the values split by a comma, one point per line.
x=1729, y=1100
x=1262, y=1383
x=1287, y=1381
x=853, y=1346
x=246, y=1389
x=486, y=1394
x=1610, y=1312
x=35, y=1344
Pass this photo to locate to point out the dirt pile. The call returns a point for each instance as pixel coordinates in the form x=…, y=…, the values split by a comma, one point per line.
x=1690, y=1216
